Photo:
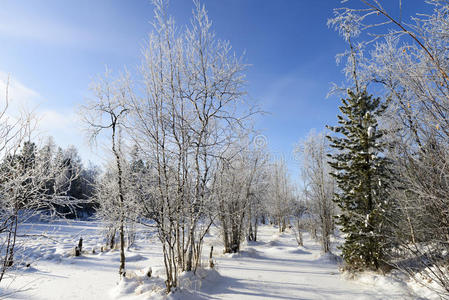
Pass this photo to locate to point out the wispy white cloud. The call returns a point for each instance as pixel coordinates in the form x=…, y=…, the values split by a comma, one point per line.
x=19, y=96
x=63, y=124
x=43, y=30
x=24, y=99
x=53, y=122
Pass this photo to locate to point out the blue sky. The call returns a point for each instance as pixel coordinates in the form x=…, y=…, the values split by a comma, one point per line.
x=52, y=50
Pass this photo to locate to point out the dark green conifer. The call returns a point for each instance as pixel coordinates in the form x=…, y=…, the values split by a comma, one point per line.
x=363, y=178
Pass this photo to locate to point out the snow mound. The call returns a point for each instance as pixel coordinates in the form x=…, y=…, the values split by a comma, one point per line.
x=425, y=286
x=298, y=250
x=29, y=269
x=390, y=282
x=137, y=283
x=203, y=279
x=329, y=258
x=126, y=286
x=249, y=252
x=191, y=285
x=275, y=243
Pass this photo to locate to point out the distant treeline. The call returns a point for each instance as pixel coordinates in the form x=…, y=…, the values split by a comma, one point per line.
x=78, y=182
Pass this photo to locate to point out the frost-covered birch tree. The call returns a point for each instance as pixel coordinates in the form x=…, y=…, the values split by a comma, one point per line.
x=30, y=184
x=107, y=112
x=239, y=186
x=191, y=110
x=319, y=185
x=281, y=194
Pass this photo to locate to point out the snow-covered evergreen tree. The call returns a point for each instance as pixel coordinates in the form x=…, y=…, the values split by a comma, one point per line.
x=362, y=175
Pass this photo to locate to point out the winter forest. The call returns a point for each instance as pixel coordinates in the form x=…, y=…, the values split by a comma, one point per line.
x=188, y=200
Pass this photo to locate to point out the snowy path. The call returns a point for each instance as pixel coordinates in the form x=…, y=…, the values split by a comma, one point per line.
x=274, y=268
x=278, y=269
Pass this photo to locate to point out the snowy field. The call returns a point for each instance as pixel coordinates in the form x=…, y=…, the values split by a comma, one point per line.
x=273, y=268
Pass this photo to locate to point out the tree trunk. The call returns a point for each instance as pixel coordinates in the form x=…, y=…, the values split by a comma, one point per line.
x=122, y=201
x=190, y=254
x=122, y=249
x=112, y=240
x=255, y=229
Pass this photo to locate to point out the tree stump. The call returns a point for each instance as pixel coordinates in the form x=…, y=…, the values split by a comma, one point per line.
x=80, y=244
x=79, y=248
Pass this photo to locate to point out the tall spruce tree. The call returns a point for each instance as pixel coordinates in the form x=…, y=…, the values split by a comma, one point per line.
x=362, y=174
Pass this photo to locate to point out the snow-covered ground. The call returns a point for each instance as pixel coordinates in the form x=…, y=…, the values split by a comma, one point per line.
x=273, y=268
